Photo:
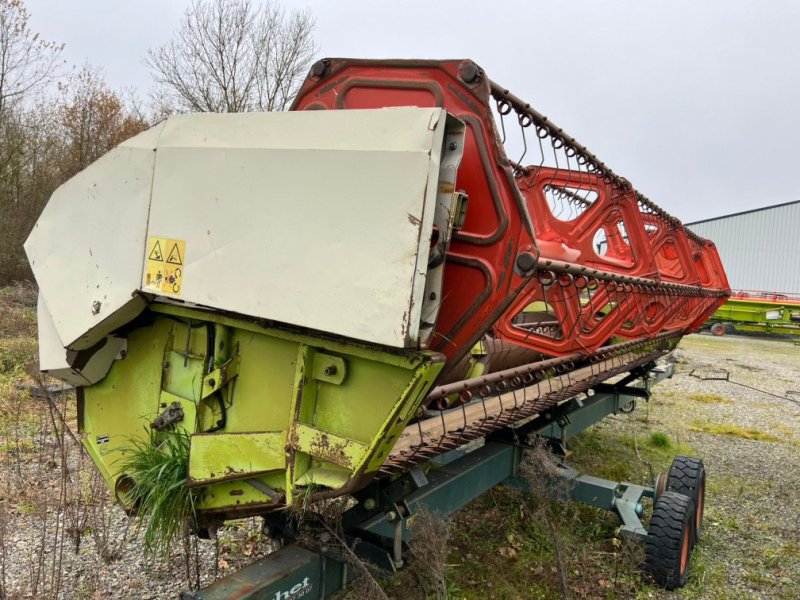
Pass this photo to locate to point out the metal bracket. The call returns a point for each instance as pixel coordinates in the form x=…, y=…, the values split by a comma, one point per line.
x=328, y=368
x=220, y=377
x=383, y=496
x=171, y=415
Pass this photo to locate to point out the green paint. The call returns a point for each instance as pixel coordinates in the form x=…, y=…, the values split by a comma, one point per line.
x=267, y=405
x=754, y=315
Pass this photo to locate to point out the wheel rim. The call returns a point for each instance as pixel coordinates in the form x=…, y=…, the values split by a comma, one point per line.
x=685, y=550
x=701, y=496
x=660, y=485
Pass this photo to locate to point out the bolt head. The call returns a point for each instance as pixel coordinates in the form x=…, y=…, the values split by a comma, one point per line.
x=319, y=68
x=526, y=261
x=470, y=73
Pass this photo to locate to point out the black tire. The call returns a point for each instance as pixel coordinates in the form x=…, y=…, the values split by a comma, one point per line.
x=729, y=328
x=687, y=476
x=717, y=329
x=668, y=546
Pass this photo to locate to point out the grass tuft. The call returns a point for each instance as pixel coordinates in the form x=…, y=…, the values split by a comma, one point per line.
x=734, y=430
x=159, y=466
x=709, y=398
x=659, y=439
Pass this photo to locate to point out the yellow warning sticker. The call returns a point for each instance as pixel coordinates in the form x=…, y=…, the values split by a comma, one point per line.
x=163, y=269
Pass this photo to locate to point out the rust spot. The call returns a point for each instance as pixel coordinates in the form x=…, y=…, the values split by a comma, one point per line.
x=236, y=492
x=328, y=451
x=414, y=220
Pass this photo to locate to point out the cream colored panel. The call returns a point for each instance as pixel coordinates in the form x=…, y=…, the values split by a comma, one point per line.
x=320, y=219
x=86, y=249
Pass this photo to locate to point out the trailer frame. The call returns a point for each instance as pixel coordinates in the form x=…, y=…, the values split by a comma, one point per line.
x=382, y=522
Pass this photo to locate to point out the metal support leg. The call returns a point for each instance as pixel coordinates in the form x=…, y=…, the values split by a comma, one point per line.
x=397, y=554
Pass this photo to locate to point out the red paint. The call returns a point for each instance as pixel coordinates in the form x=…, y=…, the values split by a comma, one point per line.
x=508, y=215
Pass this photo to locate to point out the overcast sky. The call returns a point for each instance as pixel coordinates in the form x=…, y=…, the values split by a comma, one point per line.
x=696, y=102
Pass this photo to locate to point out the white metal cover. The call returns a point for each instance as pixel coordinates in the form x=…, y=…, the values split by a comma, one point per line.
x=53, y=357
x=320, y=219
x=86, y=248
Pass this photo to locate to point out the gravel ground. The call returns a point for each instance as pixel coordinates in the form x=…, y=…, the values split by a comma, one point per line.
x=751, y=543
x=38, y=549
x=750, y=549
x=86, y=574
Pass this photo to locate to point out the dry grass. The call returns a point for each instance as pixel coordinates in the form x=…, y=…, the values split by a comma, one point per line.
x=45, y=478
x=54, y=505
x=428, y=553
x=730, y=429
x=18, y=311
x=709, y=398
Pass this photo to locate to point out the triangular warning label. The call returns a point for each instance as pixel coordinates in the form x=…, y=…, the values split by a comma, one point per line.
x=175, y=255
x=155, y=253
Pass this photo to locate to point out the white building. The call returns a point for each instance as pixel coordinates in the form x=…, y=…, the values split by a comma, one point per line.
x=760, y=248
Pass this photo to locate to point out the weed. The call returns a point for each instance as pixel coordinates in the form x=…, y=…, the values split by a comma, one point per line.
x=759, y=579
x=428, y=553
x=158, y=466
x=782, y=428
x=659, y=439
x=704, y=576
x=3, y=527
x=24, y=446
x=540, y=472
x=733, y=430
x=709, y=398
x=615, y=457
x=304, y=500
x=18, y=311
x=26, y=508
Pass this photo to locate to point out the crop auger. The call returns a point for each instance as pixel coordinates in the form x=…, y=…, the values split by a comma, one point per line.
x=323, y=298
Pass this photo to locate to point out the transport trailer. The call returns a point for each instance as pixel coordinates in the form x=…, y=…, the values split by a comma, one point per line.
x=313, y=303
x=749, y=311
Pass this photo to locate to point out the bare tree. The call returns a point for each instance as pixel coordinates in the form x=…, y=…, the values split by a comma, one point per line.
x=231, y=56
x=27, y=62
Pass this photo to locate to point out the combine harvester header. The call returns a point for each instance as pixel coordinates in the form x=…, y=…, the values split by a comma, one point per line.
x=335, y=294
x=758, y=312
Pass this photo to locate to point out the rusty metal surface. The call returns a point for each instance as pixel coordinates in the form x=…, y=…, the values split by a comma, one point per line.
x=516, y=394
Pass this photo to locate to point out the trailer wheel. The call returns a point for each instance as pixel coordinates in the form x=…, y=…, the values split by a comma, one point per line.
x=687, y=476
x=668, y=546
x=717, y=329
